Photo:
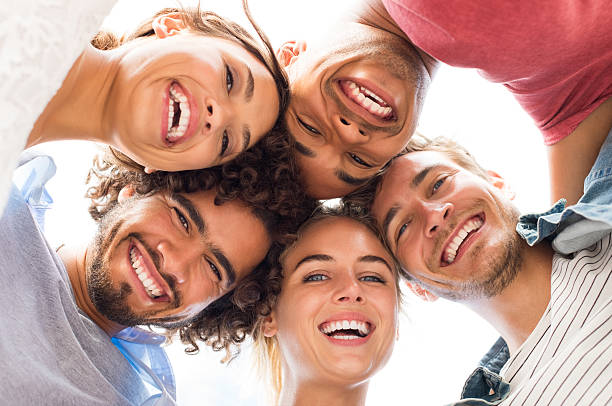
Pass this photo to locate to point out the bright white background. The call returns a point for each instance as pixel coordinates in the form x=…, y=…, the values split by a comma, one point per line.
x=440, y=343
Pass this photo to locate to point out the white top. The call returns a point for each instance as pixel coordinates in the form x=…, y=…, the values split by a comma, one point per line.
x=567, y=359
x=39, y=42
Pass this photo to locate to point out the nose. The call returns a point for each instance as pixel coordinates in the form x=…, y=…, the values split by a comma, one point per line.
x=349, y=131
x=216, y=115
x=349, y=291
x=436, y=214
x=178, y=260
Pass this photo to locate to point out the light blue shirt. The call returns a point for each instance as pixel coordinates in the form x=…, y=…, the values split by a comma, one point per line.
x=140, y=347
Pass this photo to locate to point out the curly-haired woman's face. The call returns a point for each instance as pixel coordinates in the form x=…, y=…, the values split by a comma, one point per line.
x=182, y=100
x=336, y=316
x=162, y=259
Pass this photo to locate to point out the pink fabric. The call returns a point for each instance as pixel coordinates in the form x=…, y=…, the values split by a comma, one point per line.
x=555, y=56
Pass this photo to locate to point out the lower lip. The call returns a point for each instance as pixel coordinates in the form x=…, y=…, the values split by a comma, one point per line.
x=349, y=343
x=359, y=109
x=467, y=243
x=194, y=117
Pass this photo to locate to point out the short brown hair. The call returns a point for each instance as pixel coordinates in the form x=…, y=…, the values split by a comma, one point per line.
x=362, y=199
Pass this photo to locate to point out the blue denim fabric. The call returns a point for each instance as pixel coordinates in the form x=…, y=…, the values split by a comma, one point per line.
x=569, y=230
x=485, y=387
x=583, y=224
x=141, y=348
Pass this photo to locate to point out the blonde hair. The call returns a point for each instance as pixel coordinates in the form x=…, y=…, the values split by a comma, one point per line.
x=266, y=350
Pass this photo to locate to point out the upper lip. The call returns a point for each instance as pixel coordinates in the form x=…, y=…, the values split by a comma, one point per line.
x=150, y=266
x=359, y=110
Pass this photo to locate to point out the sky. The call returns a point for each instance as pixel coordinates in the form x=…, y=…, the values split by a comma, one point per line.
x=439, y=343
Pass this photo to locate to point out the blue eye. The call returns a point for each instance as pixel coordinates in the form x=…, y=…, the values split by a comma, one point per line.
x=317, y=277
x=402, y=229
x=372, y=278
x=307, y=127
x=182, y=219
x=437, y=185
x=229, y=79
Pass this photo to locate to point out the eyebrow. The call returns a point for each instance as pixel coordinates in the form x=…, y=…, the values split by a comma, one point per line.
x=250, y=86
x=421, y=175
x=191, y=210
x=197, y=219
x=246, y=137
x=346, y=178
x=304, y=150
x=315, y=257
x=225, y=263
x=389, y=218
x=374, y=258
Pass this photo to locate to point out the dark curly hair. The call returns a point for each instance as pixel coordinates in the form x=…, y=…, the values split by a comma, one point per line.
x=265, y=179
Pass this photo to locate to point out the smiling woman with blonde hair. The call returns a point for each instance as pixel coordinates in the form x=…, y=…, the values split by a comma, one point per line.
x=334, y=322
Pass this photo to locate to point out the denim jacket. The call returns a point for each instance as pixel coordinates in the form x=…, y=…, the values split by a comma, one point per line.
x=569, y=230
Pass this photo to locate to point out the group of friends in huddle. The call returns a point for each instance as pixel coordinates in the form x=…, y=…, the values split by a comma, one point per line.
x=208, y=198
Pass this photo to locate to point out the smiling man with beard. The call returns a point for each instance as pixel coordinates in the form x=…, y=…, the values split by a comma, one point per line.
x=168, y=246
x=457, y=235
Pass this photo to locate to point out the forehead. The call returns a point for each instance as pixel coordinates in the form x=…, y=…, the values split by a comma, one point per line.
x=339, y=237
x=403, y=172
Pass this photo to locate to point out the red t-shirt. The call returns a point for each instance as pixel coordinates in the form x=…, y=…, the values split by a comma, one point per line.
x=555, y=56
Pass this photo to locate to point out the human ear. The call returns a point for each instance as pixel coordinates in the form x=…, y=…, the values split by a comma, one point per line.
x=290, y=51
x=269, y=326
x=500, y=183
x=424, y=294
x=168, y=25
x=125, y=193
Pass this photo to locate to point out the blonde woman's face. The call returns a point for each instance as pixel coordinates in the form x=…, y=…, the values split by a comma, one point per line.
x=336, y=317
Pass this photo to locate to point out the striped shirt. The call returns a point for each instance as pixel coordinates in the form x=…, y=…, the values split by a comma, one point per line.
x=567, y=358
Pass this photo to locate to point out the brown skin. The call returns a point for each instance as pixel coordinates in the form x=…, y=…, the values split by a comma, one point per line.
x=337, y=138
x=182, y=253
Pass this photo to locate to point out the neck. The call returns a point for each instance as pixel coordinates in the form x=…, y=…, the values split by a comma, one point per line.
x=77, y=110
x=516, y=311
x=298, y=392
x=373, y=13
x=75, y=260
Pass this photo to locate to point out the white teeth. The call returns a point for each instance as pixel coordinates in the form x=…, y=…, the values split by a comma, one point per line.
x=176, y=96
x=369, y=100
x=334, y=326
x=149, y=284
x=451, y=251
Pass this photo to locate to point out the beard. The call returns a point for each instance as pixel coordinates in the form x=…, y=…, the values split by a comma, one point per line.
x=112, y=302
x=501, y=267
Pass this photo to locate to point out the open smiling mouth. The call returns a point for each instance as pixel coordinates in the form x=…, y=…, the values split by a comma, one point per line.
x=144, y=275
x=346, y=329
x=449, y=254
x=178, y=113
x=368, y=100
